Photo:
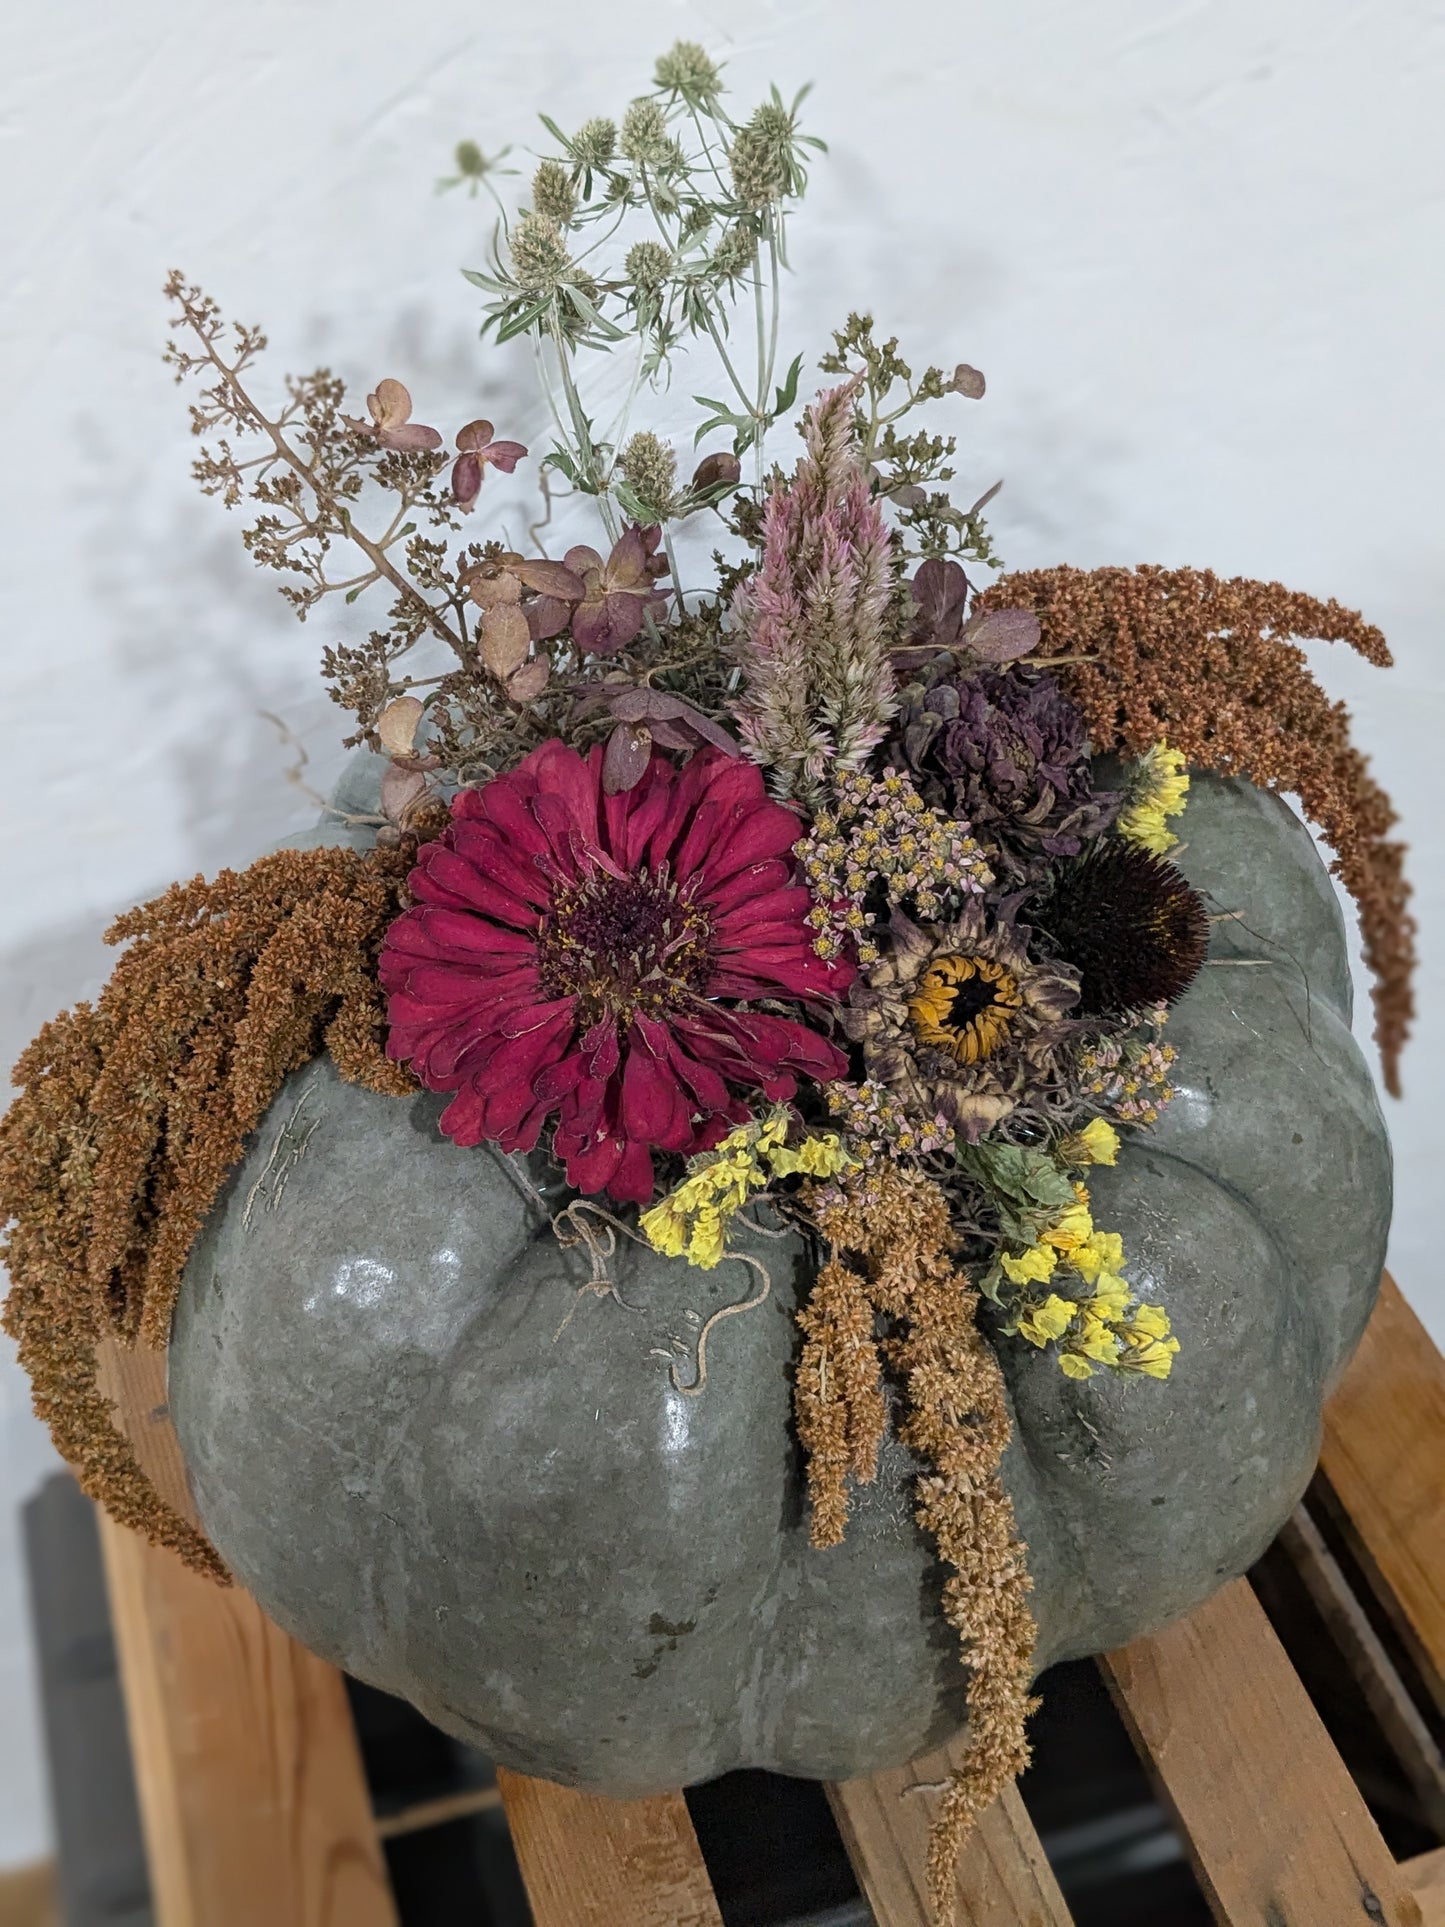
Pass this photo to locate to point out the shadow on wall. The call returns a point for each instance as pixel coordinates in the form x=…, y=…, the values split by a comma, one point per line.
x=198, y=643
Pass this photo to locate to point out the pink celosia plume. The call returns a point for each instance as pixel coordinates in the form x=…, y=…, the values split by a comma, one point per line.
x=816, y=620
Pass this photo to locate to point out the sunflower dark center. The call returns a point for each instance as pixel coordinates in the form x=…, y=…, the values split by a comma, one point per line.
x=965, y=1006
x=623, y=944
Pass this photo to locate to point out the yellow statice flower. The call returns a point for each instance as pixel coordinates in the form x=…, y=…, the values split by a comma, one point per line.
x=1097, y=1143
x=1095, y=1339
x=1101, y=1326
x=1075, y=1227
x=1159, y=786
x=692, y=1220
x=1110, y=1300
x=820, y=1155
x=1100, y=1255
x=1032, y=1267
x=1041, y=1323
x=1149, y=1346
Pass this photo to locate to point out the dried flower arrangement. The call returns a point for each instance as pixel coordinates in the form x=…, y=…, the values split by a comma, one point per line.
x=804, y=887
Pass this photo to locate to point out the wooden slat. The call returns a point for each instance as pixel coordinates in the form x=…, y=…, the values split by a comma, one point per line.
x=1384, y=1459
x=134, y=1380
x=1370, y=1664
x=28, y=1897
x=251, y=1790
x=1277, y=1830
x=589, y=1862
x=422, y=1814
x=1426, y=1875
x=1003, y=1878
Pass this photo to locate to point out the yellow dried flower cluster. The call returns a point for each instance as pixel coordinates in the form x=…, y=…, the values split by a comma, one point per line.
x=692, y=1220
x=1095, y=1319
x=1158, y=789
x=882, y=831
x=897, y=1223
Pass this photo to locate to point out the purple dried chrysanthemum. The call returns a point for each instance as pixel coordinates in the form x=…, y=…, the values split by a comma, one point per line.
x=1009, y=752
x=817, y=619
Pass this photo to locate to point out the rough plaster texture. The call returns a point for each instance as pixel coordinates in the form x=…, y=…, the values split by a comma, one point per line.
x=1195, y=246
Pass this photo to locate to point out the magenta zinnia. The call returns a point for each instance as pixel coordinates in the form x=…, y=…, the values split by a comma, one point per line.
x=601, y=958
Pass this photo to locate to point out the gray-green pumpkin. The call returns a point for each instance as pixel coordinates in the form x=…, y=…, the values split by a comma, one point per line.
x=437, y=1464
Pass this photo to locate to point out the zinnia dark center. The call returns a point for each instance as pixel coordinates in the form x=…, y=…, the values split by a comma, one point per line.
x=965, y=1006
x=624, y=944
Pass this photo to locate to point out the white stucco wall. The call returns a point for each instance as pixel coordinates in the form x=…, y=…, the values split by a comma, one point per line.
x=1195, y=244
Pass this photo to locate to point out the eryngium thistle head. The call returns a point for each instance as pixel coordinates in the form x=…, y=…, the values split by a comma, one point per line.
x=540, y=260
x=1128, y=922
x=761, y=156
x=687, y=70
x=1010, y=752
x=645, y=139
x=649, y=467
x=595, y=142
x=553, y=195
x=647, y=266
x=735, y=253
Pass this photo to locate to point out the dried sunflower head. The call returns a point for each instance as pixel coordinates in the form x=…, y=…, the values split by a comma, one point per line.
x=958, y=1020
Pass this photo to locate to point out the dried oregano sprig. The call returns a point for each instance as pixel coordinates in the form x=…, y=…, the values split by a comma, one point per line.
x=906, y=468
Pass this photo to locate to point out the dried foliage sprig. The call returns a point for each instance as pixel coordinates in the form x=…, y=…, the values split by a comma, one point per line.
x=133, y=1111
x=906, y=468
x=1212, y=665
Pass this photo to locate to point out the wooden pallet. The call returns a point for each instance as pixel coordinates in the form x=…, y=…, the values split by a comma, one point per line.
x=255, y=1804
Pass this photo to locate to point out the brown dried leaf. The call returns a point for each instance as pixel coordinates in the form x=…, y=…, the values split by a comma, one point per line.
x=401, y=791
x=968, y=381
x=548, y=578
x=487, y=588
x=504, y=639
x=528, y=682
x=397, y=725
x=1003, y=635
